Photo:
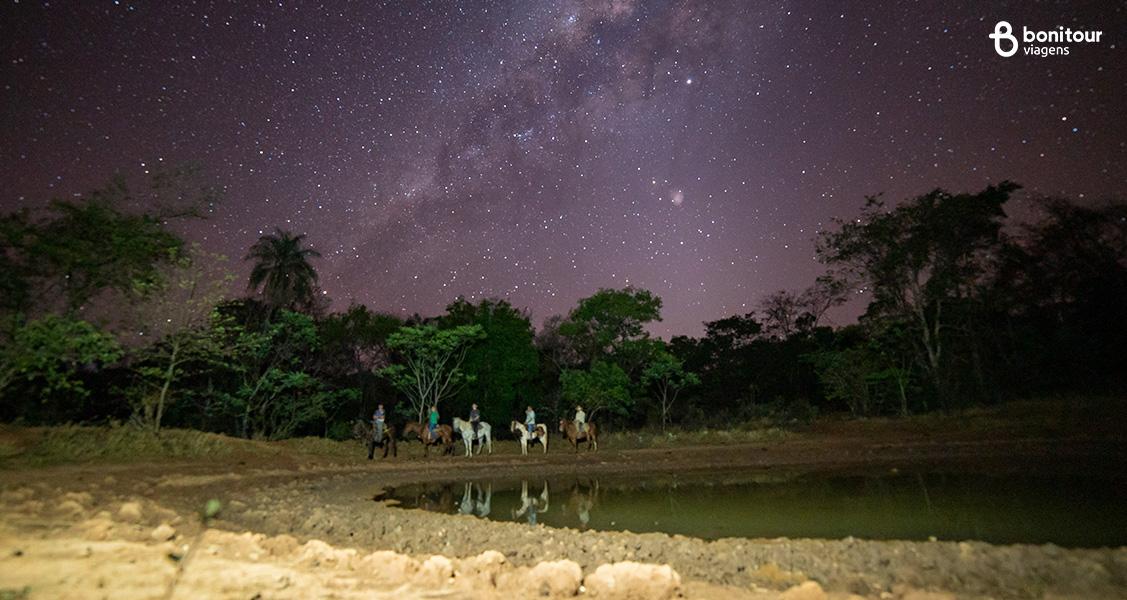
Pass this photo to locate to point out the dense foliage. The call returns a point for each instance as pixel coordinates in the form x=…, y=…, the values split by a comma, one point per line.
x=107, y=315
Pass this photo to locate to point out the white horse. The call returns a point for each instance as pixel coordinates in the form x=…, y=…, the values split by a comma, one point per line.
x=521, y=431
x=483, y=436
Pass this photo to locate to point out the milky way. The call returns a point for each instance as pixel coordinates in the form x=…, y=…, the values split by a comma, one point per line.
x=538, y=150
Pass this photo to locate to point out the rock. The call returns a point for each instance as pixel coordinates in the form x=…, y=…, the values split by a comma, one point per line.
x=555, y=578
x=280, y=545
x=69, y=508
x=162, y=533
x=392, y=567
x=130, y=511
x=98, y=528
x=316, y=553
x=809, y=590
x=436, y=570
x=488, y=565
x=630, y=580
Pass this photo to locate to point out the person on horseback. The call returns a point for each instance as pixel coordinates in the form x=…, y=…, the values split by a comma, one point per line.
x=475, y=418
x=580, y=419
x=530, y=421
x=432, y=422
x=379, y=419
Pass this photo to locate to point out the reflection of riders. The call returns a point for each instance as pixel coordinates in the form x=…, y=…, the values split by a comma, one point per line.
x=480, y=505
x=583, y=500
x=378, y=421
x=530, y=421
x=531, y=505
x=580, y=420
x=432, y=422
x=475, y=418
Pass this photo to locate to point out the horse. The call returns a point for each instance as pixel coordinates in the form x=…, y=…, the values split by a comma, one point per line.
x=442, y=433
x=483, y=437
x=521, y=431
x=363, y=430
x=571, y=432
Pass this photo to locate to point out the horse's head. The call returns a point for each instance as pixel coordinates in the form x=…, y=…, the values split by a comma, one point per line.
x=563, y=424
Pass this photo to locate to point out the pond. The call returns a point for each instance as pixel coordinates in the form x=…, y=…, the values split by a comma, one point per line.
x=1070, y=511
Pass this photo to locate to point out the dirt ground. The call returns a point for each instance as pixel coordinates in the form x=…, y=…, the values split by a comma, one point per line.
x=302, y=526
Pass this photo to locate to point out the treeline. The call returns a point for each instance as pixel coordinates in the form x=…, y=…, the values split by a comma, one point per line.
x=107, y=315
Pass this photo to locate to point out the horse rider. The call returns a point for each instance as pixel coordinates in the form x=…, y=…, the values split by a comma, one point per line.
x=432, y=422
x=475, y=418
x=580, y=419
x=530, y=421
x=379, y=419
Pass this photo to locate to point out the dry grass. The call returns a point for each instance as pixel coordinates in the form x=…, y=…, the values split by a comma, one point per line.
x=118, y=443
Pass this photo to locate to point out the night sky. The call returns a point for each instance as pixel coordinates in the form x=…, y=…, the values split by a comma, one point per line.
x=537, y=150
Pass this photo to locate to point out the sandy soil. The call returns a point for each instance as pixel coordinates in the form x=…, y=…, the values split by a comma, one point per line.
x=302, y=526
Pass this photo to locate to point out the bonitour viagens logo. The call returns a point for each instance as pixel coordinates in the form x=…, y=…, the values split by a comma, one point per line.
x=1052, y=42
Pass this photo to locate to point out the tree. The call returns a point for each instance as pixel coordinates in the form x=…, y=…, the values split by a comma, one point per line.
x=667, y=376
x=60, y=262
x=781, y=313
x=502, y=364
x=49, y=352
x=603, y=322
x=273, y=393
x=282, y=270
x=432, y=360
x=604, y=387
x=920, y=258
x=177, y=322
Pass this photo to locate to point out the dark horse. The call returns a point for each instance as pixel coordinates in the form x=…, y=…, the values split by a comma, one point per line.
x=571, y=432
x=443, y=434
x=364, y=430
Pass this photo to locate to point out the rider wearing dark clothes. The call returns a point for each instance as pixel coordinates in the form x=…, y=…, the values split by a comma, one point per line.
x=475, y=418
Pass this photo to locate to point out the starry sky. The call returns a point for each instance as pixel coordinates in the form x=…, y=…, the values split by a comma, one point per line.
x=539, y=150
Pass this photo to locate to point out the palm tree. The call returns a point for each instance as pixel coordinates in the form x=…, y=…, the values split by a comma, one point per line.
x=282, y=270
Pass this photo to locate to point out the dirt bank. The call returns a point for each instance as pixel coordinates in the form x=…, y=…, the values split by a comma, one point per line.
x=302, y=526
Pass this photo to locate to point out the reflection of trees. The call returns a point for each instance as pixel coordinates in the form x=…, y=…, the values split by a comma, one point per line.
x=440, y=500
x=582, y=499
x=531, y=506
x=476, y=500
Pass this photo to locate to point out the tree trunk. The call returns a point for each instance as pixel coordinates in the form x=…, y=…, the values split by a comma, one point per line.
x=169, y=374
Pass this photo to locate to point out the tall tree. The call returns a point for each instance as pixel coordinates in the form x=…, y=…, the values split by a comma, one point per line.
x=60, y=261
x=282, y=270
x=173, y=326
x=606, y=320
x=604, y=387
x=920, y=260
x=46, y=355
x=666, y=375
x=431, y=367
x=503, y=364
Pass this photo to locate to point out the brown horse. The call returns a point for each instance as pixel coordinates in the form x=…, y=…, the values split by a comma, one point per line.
x=443, y=434
x=363, y=430
x=571, y=432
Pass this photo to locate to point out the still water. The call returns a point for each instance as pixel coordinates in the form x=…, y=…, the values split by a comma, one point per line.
x=1012, y=508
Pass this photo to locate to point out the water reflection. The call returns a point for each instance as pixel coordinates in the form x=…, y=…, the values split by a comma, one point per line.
x=530, y=506
x=476, y=499
x=1001, y=508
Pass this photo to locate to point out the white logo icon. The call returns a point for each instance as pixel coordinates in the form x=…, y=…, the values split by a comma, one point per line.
x=1004, y=31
